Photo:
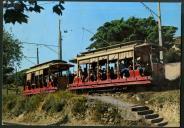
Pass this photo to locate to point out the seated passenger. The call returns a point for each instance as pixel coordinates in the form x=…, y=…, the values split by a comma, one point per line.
x=147, y=70
x=100, y=73
x=141, y=69
x=104, y=75
x=112, y=73
x=124, y=71
x=115, y=71
x=55, y=81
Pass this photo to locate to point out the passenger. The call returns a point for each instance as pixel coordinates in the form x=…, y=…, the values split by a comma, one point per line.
x=124, y=71
x=75, y=77
x=104, y=75
x=141, y=69
x=147, y=70
x=112, y=73
x=130, y=67
x=55, y=81
x=115, y=71
x=92, y=75
x=80, y=72
x=100, y=73
x=85, y=73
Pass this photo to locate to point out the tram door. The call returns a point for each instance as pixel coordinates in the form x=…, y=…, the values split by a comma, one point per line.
x=63, y=79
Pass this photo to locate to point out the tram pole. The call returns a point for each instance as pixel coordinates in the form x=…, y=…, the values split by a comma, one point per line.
x=160, y=32
x=59, y=43
x=37, y=55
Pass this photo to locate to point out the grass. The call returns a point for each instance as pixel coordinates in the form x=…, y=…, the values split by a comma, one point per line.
x=60, y=107
x=166, y=103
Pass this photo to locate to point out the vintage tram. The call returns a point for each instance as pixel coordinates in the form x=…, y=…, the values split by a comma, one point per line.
x=47, y=77
x=118, y=66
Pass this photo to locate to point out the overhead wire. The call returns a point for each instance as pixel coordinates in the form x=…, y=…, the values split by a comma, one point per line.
x=148, y=8
x=39, y=44
x=94, y=33
x=25, y=57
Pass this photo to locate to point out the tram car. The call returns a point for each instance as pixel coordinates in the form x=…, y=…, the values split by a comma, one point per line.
x=47, y=77
x=132, y=63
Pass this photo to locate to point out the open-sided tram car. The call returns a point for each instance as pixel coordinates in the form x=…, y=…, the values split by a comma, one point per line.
x=47, y=77
x=134, y=54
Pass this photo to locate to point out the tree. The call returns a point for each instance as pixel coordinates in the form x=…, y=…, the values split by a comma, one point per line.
x=15, y=10
x=172, y=55
x=121, y=31
x=12, y=55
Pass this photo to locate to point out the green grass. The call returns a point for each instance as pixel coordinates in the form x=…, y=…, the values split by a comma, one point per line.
x=61, y=106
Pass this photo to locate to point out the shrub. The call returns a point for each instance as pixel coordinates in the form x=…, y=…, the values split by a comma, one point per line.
x=53, y=104
x=172, y=56
x=78, y=105
x=33, y=102
x=19, y=108
x=9, y=101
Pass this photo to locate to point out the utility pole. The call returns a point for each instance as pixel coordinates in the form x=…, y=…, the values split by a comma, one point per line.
x=59, y=43
x=37, y=55
x=160, y=32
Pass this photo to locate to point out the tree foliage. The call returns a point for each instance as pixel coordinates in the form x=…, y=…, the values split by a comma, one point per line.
x=15, y=10
x=12, y=54
x=172, y=55
x=117, y=31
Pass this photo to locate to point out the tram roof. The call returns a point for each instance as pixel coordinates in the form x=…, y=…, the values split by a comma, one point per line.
x=48, y=64
x=125, y=46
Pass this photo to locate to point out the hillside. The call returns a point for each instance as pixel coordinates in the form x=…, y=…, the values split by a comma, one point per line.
x=64, y=108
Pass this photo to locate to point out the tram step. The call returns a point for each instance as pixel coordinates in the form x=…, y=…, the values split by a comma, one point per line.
x=157, y=120
x=139, y=108
x=163, y=123
x=145, y=112
x=151, y=116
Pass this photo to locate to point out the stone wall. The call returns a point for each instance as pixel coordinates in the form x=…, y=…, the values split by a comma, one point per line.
x=172, y=70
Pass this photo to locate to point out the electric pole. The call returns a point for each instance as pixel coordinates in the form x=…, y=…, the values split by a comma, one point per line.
x=59, y=43
x=37, y=55
x=160, y=32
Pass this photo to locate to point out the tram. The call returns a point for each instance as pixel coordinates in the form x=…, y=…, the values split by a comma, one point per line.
x=132, y=63
x=47, y=77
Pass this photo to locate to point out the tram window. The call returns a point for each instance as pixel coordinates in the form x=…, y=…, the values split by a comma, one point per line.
x=64, y=73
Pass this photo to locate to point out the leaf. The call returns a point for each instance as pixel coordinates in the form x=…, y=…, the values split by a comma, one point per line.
x=61, y=7
x=19, y=7
x=57, y=10
x=38, y=8
x=61, y=1
x=32, y=1
x=31, y=9
x=13, y=16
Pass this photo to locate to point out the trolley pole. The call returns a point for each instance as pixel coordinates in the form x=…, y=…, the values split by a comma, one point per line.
x=160, y=32
x=59, y=43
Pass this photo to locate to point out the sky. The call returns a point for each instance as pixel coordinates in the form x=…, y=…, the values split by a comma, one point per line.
x=43, y=27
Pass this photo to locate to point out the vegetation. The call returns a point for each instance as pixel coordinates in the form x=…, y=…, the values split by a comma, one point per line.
x=61, y=108
x=12, y=55
x=15, y=10
x=172, y=55
x=121, y=31
x=145, y=29
x=165, y=103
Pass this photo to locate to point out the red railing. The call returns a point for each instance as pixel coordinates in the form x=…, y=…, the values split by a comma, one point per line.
x=134, y=77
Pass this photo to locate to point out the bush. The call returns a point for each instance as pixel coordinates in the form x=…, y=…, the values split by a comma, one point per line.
x=53, y=104
x=33, y=102
x=9, y=101
x=19, y=108
x=171, y=56
x=79, y=105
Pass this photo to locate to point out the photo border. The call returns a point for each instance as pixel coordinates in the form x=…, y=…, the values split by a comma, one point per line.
x=182, y=51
